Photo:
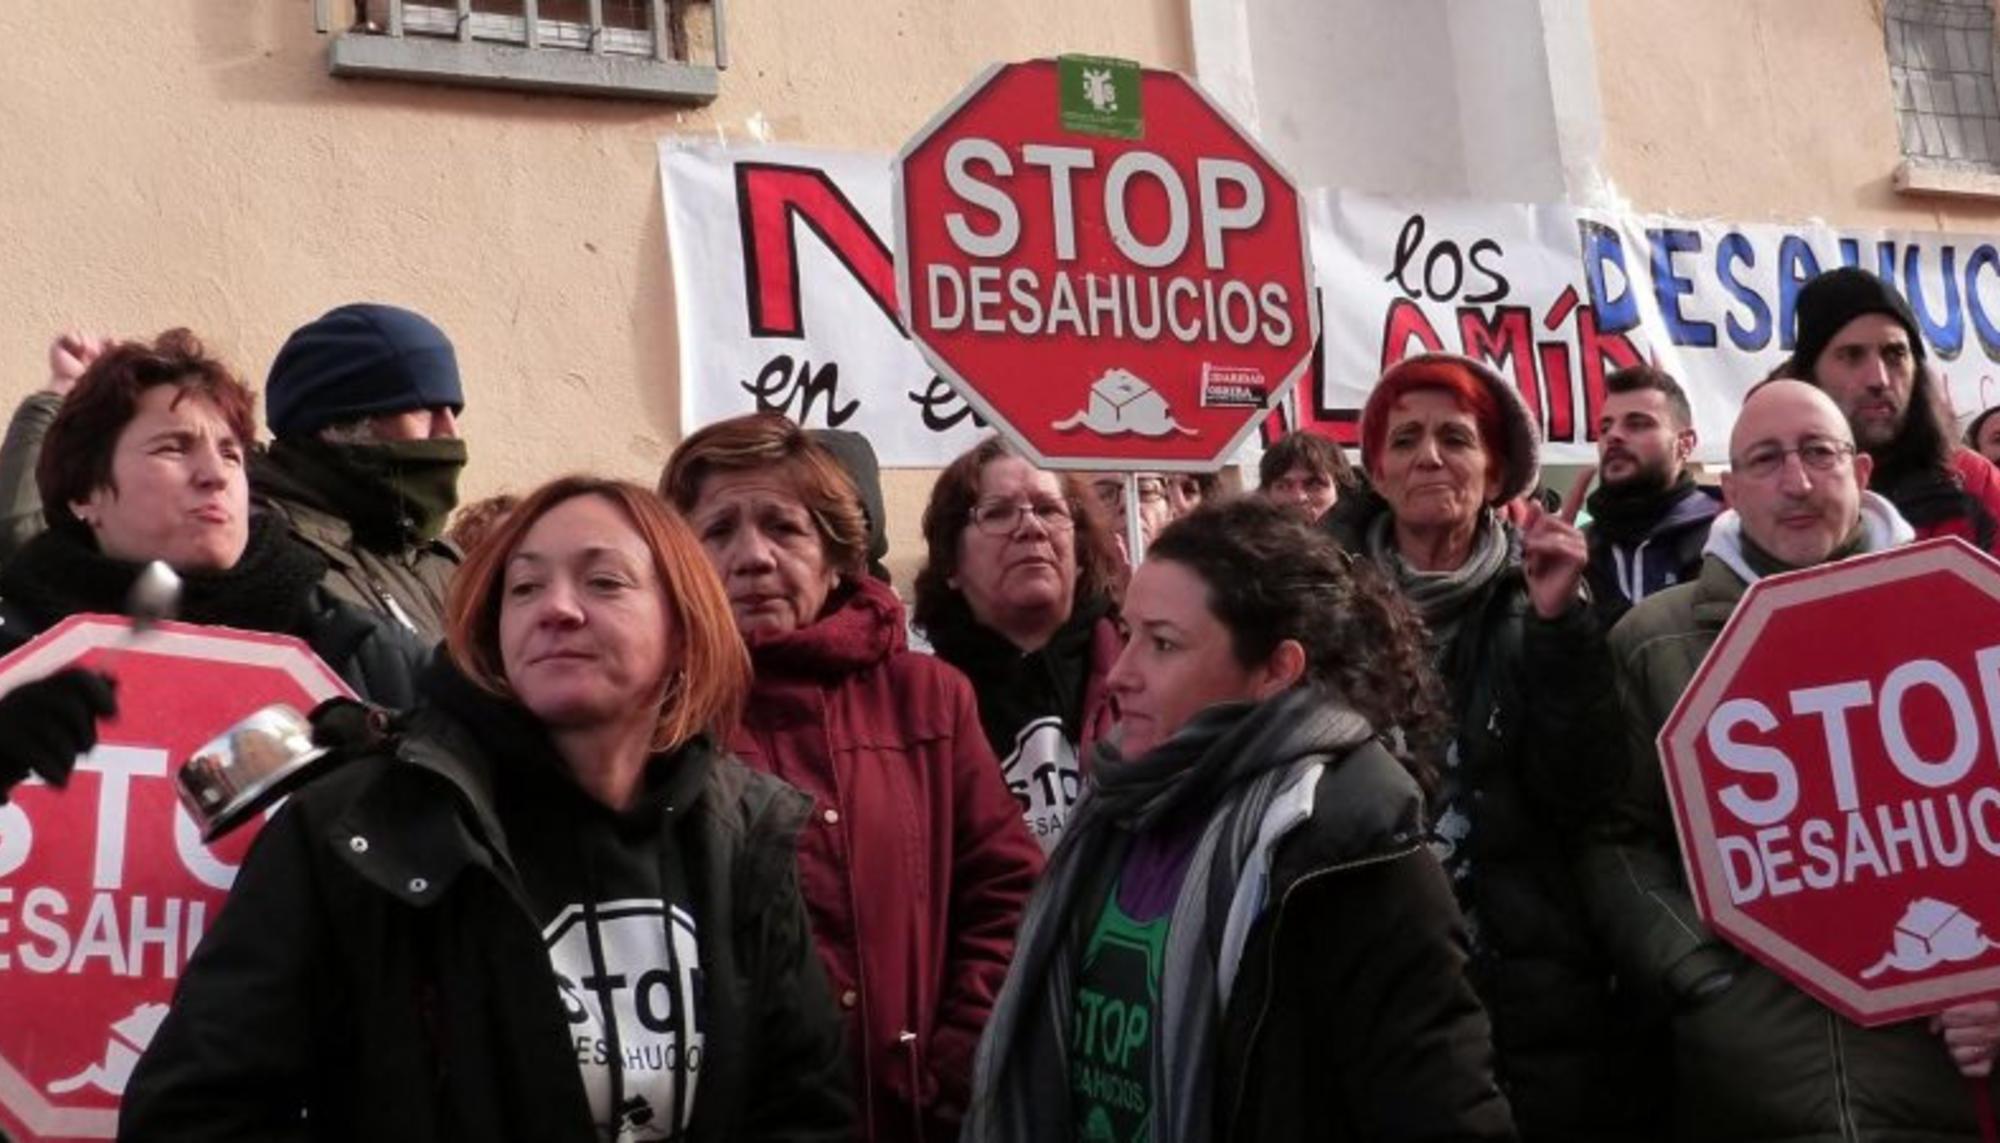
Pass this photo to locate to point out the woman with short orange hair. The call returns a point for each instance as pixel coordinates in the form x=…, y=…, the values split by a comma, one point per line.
x=546, y=905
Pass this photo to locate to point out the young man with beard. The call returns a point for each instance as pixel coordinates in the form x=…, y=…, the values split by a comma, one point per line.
x=1648, y=518
x=1858, y=343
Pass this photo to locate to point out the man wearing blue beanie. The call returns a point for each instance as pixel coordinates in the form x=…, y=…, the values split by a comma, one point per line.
x=365, y=456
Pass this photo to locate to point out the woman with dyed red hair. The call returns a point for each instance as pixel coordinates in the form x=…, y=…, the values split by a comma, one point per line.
x=1534, y=751
x=546, y=905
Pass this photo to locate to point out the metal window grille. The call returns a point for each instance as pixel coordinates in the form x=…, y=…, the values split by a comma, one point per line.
x=644, y=48
x=1941, y=67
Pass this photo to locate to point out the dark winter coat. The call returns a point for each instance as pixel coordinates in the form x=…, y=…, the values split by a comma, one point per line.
x=1624, y=571
x=1535, y=753
x=274, y=588
x=1029, y=699
x=1965, y=503
x=1064, y=679
x=405, y=584
x=377, y=975
x=1352, y=1019
x=914, y=862
x=20, y=496
x=1759, y=1061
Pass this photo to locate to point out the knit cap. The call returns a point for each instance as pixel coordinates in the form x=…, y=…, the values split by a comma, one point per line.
x=359, y=361
x=1827, y=303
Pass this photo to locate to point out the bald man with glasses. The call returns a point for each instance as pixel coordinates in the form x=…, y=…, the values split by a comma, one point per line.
x=1755, y=1058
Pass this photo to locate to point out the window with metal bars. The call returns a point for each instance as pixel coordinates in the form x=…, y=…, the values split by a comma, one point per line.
x=1941, y=71
x=651, y=49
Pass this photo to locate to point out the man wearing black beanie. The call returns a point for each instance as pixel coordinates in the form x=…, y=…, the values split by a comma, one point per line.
x=1858, y=343
x=365, y=458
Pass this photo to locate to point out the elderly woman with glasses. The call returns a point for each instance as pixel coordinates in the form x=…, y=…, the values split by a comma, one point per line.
x=914, y=862
x=1017, y=592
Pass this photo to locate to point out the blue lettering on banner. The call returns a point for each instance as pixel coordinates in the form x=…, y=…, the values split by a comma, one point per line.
x=1797, y=265
x=1602, y=246
x=1947, y=339
x=1983, y=257
x=1733, y=248
x=1885, y=257
x=1669, y=288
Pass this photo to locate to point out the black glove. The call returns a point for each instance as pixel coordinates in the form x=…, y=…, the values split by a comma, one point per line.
x=45, y=724
x=348, y=725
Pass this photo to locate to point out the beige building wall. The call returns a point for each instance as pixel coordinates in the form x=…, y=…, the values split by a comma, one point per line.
x=1759, y=111
x=191, y=162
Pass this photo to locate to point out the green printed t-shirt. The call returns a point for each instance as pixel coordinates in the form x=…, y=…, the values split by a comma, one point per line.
x=1118, y=992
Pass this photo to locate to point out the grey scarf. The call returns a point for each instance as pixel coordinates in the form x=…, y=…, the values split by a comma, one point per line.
x=1441, y=597
x=1237, y=758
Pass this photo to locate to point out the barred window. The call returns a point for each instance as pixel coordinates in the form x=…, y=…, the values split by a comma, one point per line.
x=649, y=49
x=1942, y=73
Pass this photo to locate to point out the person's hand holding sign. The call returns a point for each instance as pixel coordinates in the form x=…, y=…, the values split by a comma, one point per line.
x=1971, y=1033
x=1553, y=552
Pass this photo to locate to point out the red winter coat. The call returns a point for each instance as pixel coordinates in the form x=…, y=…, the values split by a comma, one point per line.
x=914, y=866
x=1979, y=480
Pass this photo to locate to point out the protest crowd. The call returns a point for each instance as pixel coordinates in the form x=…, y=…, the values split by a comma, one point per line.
x=1331, y=812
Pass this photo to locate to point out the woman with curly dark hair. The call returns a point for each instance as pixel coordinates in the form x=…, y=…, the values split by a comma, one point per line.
x=1243, y=934
x=1019, y=592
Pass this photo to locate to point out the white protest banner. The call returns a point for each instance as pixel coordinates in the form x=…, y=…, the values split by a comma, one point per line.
x=785, y=299
x=785, y=292
x=1555, y=297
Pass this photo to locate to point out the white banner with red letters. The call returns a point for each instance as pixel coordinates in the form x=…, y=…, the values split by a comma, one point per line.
x=785, y=298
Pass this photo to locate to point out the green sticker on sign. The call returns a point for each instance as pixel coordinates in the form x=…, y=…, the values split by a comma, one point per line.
x=1100, y=96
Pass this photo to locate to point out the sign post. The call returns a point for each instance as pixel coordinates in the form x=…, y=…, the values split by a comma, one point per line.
x=1104, y=265
x=106, y=886
x=1835, y=780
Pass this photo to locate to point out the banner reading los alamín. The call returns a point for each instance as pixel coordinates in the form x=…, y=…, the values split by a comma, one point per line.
x=786, y=300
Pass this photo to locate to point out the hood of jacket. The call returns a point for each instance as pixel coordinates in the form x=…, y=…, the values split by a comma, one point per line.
x=1882, y=527
x=861, y=626
x=1701, y=505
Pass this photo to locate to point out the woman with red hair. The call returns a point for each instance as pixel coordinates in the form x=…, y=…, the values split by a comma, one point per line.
x=546, y=905
x=1533, y=755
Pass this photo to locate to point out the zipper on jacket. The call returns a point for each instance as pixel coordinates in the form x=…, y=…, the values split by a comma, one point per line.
x=1271, y=969
x=907, y=1040
x=1843, y=1107
x=394, y=609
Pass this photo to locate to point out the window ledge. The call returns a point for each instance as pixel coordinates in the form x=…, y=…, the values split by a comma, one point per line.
x=477, y=64
x=1919, y=178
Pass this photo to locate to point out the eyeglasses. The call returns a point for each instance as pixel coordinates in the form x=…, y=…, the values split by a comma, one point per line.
x=1764, y=461
x=1111, y=493
x=1004, y=517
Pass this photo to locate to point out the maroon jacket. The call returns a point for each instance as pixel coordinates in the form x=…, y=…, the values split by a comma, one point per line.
x=1976, y=475
x=914, y=866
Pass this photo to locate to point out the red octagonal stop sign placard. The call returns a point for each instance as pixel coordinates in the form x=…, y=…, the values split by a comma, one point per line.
x=105, y=887
x=1836, y=782
x=1130, y=296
